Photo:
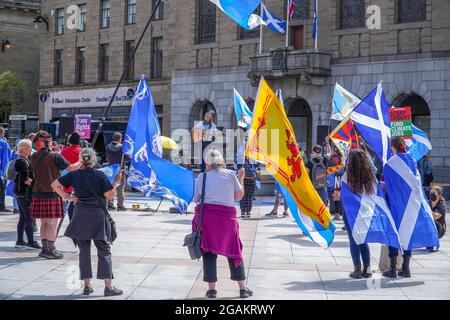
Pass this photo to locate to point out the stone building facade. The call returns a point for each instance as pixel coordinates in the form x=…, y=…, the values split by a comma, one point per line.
x=205, y=55
x=16, y=26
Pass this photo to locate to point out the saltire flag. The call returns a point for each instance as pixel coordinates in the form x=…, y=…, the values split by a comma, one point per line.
x=408, y=204
x=242, y=111
x=111, y=171
x=345, y=138
x=371, y=120
x=241, y=11
x=149, y=172
x=343, y=103
x=369, y=217
x=419, y=145
x=272, y=141
x=272, y=22
x=291, y=8
x=315, y=21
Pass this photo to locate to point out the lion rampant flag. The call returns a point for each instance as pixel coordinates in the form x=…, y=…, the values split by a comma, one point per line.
x=272, y=141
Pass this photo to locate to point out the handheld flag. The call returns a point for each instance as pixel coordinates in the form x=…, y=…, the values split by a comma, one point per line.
x=111, y=171
x=345, y=138
x=272, y=141
x=240, y=11
x=419, y=145
x=343, y=103
x=272, y=22
x=242, y=111
x=371, y=119
x=369, y=217
x=149, y=172
x=409, y=207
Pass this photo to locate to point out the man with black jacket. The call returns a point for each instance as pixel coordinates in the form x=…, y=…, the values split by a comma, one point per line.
x=114, y=156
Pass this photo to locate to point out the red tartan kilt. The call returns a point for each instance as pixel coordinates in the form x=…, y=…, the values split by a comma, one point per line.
x=47, y=208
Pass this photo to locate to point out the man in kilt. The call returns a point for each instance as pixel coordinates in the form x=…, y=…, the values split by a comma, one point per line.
x=46, y=204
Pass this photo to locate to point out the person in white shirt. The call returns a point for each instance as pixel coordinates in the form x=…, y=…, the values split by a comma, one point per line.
x=205, y=132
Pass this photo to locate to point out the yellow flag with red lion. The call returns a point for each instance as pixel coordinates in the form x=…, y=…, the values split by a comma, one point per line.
x=272, y=141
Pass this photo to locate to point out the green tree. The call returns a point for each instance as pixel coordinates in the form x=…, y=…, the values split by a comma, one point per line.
x=12, y=91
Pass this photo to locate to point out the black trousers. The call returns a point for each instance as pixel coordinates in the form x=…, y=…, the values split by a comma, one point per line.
x=2, y=194
x=70, y=210
x=210, y=268
x=246, y=202
x=104, y=266
x=393, y=252
x=25, y=220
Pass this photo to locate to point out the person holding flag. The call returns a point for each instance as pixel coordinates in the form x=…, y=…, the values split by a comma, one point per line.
x=205, y=132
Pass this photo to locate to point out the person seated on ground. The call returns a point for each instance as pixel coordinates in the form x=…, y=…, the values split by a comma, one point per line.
x=437, y=204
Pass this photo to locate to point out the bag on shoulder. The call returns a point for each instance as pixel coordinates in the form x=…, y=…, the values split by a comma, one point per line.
x=10, y=171
x=319, y=174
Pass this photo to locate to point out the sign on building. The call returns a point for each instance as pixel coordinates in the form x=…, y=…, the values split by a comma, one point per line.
x=401, y=122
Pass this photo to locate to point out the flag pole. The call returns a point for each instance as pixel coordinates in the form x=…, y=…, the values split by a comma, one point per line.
x=287, y=24
x=317, y=23
x=124, y=71
x=261, y=31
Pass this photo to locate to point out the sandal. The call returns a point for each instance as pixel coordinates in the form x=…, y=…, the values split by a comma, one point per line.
x=211, y=294
x=245, y=293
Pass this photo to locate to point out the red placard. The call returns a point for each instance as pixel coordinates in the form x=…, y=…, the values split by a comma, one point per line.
x=400, y=114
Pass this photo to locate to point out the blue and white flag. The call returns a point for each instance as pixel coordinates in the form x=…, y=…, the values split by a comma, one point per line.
x=241, y=11
x=408, y=204
x=315, y=21
x=419, y=145
x=371, y=119
x=312, y=229
x=369, y=217
x=242, y=111
x=111, y=171
x=149, y=172
x=272, y=22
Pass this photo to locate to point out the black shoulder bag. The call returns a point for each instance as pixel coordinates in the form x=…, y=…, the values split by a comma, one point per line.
x=193, y=240
x=110, y=224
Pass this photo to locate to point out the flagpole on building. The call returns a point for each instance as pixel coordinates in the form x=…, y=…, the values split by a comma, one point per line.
x=287, y=24
x=261, y=31
x=124, y=71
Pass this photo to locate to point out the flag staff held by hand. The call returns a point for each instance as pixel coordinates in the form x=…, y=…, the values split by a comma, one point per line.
x=125, y=69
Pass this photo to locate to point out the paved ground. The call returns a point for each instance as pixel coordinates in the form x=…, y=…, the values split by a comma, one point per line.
x=150, y=263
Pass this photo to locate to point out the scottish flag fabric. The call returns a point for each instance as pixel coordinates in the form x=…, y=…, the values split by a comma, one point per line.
x=369, y=217
x=149, y=172
x=410, y=209
x=272, y=22
x=242, y=111
x=371, y=119
x=240, y=11
x=315, y=21
x=419, y=145
x=312, y=229
x=111, y=171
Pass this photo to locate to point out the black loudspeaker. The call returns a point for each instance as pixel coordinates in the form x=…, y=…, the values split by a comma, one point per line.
x=322, y=133
x=66, y=126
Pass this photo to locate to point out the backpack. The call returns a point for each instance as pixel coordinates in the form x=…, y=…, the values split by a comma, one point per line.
x=10, y=170
x=319, y=174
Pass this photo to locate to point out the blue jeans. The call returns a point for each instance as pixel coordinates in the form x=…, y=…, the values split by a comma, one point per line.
x=357, y=251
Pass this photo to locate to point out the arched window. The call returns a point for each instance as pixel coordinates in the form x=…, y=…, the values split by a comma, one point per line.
x=411, y=10
x=206, y=21
x=419, y=109
x=352, y=13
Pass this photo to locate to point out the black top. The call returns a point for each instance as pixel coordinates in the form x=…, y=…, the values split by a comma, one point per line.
x=440, y=208
x=24, y=172
x=87, y=194
x=310, y=165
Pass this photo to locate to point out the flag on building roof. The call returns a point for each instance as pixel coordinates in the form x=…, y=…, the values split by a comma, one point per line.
x=291, y=8
x=343, y=103
x=272, y=22
x=241, y=11
x=315, y=21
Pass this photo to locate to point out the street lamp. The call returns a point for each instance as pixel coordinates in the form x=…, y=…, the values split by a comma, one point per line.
x=6, y=45
x=40, y=19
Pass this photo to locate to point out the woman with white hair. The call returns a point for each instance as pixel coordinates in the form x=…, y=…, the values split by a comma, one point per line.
x=92, y=189
x=22, y=191
x=219, y=225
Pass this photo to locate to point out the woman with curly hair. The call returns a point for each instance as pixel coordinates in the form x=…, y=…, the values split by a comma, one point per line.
x=361, y=179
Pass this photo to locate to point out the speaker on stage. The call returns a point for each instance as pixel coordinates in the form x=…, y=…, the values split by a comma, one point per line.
x=66, y=126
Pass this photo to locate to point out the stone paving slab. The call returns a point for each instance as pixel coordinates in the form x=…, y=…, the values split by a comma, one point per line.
x=149, y=262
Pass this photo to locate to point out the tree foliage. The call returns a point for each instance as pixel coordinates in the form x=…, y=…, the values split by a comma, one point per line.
x=12, y=91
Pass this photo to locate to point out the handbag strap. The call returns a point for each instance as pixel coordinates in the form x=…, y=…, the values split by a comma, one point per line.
x=202, y=202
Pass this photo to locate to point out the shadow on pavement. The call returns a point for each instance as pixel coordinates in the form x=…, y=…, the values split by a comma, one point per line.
x=184, y=221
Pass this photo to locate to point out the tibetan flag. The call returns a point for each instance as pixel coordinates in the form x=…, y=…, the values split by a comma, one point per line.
x=345, y=138
x=272, y=141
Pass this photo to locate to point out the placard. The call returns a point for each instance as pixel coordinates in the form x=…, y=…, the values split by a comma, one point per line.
x=83, y=125
x=401, y=122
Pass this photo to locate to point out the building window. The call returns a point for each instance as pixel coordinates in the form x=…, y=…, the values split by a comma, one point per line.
x=82, y=17
x=105, y=11
x=248, y=34
x=159, y=112
x=105, y=53
x=157, y=57
x=159, y=14
x=301, y=10
x=412, y=10
x=59, y=23
x=352, y=13
x=58, y=67
x=129, y=48
x=131, y=11
x=206, y=21
x=80, y=65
